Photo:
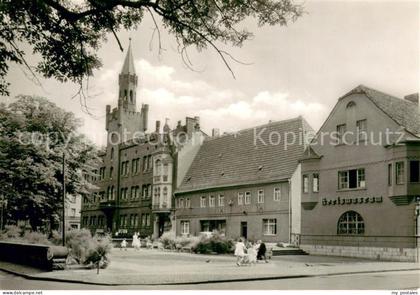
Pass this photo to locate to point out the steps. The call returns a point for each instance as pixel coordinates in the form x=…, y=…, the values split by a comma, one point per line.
x=277, y=251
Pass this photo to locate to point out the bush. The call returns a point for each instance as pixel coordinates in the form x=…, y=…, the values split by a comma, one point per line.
x=168, y=240
x=98, y=253
x=214, y=244
x=35, y=238
x=11, y=232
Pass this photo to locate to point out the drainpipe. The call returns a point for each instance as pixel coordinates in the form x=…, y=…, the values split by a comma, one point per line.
x=290, y=211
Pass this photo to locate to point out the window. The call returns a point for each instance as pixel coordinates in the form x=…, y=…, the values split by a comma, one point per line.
x=149, y=162
x=112, y=153
x=165, y=196
x=247, y=198
x=415, y=171
x=315, y=182
x=203, y=202
x=341, y=130
x=399, y=173
x=212, y=201
x=389, y=174
x=187, y=203
x=111, y=171
x=221, y=200
x=277, y=194
x=361, y=127
x=165, y=172
x=181, y=203
x=270, y=226
x=240, y=198
x=351, y=223
x=73, y=212
x=135, y=166
x=144, y=163
x=147, y=219
x=156, y=197
x=136, y=220
x=350, y=179
x=260, y=195
x=305, y=184
x=143, y=219
x=185, y=227
x=158, y=167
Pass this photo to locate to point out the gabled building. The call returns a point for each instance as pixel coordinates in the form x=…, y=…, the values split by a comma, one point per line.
x=360, y=179
x=138, y=170
x=245, y=184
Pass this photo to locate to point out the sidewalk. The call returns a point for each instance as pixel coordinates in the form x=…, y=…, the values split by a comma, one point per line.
x=153, y=267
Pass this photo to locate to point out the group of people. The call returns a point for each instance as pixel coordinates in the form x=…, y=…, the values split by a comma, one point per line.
x=248, y=253
x=136, y=243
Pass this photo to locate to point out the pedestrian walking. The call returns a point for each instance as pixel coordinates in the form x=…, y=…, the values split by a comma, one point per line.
x=123, y=245
x=239, y=252
x=262, y=250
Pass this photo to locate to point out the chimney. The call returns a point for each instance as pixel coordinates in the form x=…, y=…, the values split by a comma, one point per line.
x=215, y=132
x=197, y=123
x=412, y=97
x=157, y=126
x=178, y=125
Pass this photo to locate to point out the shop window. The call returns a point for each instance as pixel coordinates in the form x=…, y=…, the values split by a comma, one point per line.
x=277, y=194
x=247, y=198
x=361, y=127
x=315, y=182
x=270, y=226
x=260, y=196
x=185, y=227
x=399, y=173
x=350, y=223
x=305, y=183
x=240, y=198
x=415, y=171
x=350, y=179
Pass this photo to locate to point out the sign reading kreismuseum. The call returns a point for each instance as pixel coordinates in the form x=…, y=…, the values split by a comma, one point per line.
x=349, y=201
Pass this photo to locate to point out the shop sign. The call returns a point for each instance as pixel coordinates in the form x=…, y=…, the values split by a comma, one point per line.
x=350, y=201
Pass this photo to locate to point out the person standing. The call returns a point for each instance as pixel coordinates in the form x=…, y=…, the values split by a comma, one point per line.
x=262, y=249
x=239, y=252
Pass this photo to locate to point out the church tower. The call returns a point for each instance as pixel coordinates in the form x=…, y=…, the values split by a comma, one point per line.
x=125, y=120
x=127, y=81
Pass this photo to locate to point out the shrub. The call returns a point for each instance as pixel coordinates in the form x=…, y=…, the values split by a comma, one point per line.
x=34, y=237
x=97, y=255
x=79, y=242
x=168, y=239
x=214, y=244
x=11, y=232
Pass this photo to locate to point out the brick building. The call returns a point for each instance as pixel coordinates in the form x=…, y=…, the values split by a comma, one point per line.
x=245, y=184
x=360, y=189
x=139, y=169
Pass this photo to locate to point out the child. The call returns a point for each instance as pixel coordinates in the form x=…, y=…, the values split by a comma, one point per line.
x=239, y=252
x=124, y=245
x=252, y=254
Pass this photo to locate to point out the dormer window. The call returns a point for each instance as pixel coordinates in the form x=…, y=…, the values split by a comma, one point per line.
x=351, y=104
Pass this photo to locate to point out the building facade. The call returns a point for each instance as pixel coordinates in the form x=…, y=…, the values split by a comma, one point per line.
x=360, y=179
x=136, y=177
x=245, y=184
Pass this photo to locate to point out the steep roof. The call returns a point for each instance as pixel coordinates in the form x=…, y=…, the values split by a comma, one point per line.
x=247, y=156
x=405, y=113
x=128, y=66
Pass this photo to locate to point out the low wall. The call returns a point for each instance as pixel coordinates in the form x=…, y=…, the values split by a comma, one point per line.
x=39, y=256
x=377, y=253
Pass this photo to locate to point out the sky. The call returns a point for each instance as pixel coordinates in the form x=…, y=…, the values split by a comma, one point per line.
x=301, y=69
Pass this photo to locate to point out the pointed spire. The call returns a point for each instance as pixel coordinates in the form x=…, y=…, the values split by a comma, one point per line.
x=128, y=67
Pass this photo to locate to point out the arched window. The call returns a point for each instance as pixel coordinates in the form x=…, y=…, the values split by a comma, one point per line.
x=351, y=223
x=125, y=94
x=131, y=96
x=351, y=104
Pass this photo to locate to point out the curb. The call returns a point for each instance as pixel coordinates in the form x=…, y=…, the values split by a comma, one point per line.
x=31, y=277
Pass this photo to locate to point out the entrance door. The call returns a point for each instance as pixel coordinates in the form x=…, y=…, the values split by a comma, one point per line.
x=244, y=229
